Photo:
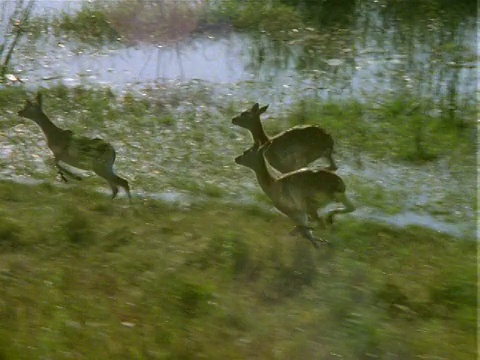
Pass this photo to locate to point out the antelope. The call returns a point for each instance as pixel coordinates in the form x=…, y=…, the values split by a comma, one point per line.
x=298, y=194
x=292, y=149
x=80, y=152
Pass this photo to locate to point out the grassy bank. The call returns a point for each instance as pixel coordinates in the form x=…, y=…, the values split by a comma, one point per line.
x=84, y=277
x=393, y=154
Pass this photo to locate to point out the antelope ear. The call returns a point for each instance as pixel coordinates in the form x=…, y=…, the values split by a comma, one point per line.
x=39, y=99
x=255, y=107
x=262, y=109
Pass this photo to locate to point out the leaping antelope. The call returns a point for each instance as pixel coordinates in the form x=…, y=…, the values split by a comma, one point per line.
x=80, y=152
x=298, y=194
x=292, y=149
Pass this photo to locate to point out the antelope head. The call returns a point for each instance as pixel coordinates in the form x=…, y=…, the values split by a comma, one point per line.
x=253, y=158
x=250, y=118
x=32, y=109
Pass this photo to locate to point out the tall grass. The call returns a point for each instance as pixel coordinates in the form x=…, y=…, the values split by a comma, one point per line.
x=86, y=277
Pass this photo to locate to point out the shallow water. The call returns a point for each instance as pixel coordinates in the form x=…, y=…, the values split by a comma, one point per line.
x=409, y=218
x=202, y=71
x=185, y=200
x=366, y=58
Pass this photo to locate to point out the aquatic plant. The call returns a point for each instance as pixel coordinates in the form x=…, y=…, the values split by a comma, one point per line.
x=12, y=29
x=161, y=22
x=89, y=24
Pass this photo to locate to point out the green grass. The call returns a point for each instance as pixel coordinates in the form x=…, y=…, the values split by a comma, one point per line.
x=135, y=21
x=178, y=147
x=86, y=277
x=90, y=24
x=399, y=128
x=246, y=16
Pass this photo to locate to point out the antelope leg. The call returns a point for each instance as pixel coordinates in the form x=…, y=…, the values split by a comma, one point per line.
x=62, y=170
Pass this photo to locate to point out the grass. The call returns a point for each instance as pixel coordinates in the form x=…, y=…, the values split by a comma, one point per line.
x=85, y=277
x=90, y=24
x=408, y=128
x=379, y=156
x=247, y=16
x=167, y=22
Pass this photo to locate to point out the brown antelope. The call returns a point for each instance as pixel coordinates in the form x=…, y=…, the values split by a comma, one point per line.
x=292, y=149
x=298, y=194
x=80, y=152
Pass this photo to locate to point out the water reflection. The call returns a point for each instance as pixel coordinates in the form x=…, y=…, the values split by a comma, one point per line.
x=373, y=52
x=214, y=60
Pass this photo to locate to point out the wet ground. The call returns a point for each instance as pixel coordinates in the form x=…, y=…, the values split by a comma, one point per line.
x=205, y=71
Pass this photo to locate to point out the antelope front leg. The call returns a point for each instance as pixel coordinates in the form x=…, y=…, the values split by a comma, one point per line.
x=302, y=228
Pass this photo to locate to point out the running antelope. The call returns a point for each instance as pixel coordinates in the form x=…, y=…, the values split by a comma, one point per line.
x=298, y=194
x=292, y=149
x=80, y=152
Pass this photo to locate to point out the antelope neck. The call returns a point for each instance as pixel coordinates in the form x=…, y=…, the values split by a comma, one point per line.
x=259, y=134
x=48, y=128
x=264, y=177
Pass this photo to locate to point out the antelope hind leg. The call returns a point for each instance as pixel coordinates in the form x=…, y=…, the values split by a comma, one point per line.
x=348, y=207
x=307, y=233
x=62, y=171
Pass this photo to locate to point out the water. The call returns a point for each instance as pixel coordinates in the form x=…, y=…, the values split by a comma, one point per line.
x=184, y=200
x=368, y=57
x=374, y=53
x=409, y=218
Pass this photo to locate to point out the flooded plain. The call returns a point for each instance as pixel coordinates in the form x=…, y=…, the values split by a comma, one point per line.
x=208, y=76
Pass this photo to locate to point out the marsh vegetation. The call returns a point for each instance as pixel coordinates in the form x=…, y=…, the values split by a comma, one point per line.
x=200, y=258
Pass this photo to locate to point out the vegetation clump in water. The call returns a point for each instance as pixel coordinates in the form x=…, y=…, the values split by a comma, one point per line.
x=90, y=24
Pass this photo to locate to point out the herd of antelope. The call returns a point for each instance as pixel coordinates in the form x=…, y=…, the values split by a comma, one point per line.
x=279, y=163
